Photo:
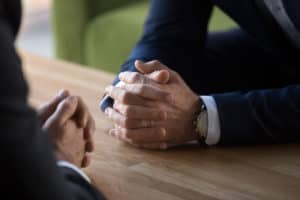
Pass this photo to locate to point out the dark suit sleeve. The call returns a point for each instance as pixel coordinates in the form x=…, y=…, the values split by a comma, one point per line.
x=28, y=166
x=264, y=116
x=174, y=33
x=80, y=188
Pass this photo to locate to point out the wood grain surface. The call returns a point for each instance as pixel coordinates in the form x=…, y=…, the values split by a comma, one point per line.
x=190, y=172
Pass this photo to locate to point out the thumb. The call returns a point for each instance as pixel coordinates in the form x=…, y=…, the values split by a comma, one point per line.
x=65, y=110
x=149, y=67
x=161, y=76
x=45, y=111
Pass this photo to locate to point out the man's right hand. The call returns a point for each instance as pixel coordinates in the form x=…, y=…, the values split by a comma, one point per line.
x=153, y=109
x=70, y=127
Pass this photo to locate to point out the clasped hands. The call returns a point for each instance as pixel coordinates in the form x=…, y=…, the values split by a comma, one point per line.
x=153, y=108
x=70, y=127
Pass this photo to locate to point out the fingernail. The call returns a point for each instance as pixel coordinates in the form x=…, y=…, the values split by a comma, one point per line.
x=62, y=93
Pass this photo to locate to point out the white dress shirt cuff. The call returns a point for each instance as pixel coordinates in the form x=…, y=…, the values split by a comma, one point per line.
x=214, y=129
x=73, y=167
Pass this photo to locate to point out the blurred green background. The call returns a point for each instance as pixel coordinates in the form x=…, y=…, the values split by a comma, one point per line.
x=101, y=33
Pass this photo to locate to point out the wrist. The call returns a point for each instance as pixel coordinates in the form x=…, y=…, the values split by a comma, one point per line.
x=63, y=157
x=195, y=111
x=60, y=157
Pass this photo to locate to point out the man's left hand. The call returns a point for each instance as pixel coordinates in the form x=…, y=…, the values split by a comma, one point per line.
x=81, y=119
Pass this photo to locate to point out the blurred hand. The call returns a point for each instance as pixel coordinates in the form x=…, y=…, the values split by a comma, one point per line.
x=70, y=126
x=154, y=108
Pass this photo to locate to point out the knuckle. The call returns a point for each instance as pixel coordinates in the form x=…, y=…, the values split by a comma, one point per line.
x=128, y=111
x=126, y=123
x=67, y=105
x=124, y=97
x=141, y=89
x=134, y=77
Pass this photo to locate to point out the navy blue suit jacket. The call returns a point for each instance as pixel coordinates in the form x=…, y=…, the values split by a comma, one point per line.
x=249, y=70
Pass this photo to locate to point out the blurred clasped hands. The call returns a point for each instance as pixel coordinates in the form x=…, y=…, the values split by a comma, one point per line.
x=70, y=127
x=153, y=108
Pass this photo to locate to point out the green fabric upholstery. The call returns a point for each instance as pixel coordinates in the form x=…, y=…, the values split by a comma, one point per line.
x=70, y=19
x=101, y=33
x=111, y=37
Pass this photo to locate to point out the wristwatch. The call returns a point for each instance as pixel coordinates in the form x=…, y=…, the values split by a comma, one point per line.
x=201, y=123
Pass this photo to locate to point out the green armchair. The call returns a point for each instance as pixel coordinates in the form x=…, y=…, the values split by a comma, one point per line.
x=101, y=33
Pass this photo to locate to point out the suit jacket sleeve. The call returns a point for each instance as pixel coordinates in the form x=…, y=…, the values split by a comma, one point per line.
x=263, y=116
x=173, y=28
x=28, y=165
x=175, y=33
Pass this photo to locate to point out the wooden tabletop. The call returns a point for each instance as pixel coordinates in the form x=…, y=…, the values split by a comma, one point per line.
x=191, y=172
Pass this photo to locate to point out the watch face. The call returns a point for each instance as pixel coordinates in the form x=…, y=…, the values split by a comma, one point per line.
x=203, y=123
